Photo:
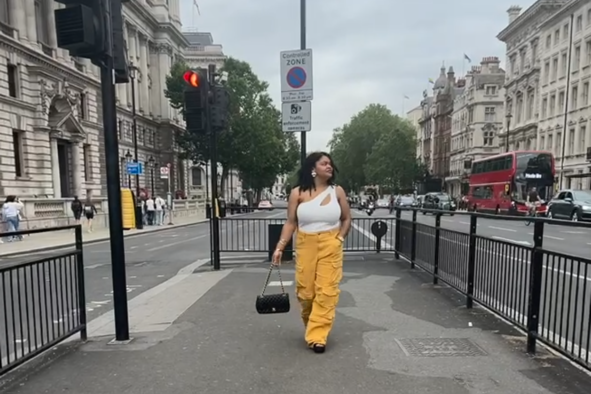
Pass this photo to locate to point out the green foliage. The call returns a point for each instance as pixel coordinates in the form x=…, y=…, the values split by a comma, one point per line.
x=375, y=147
x=254, y=143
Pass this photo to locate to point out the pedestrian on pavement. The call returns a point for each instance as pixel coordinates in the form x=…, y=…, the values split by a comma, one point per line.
x=11, y=212
x=150, y=206
x=89, y=212
x=320, y=216
x=159, y=210
x=76, y=208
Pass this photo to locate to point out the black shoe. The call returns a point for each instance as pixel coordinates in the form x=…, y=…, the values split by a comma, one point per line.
x=318, y=348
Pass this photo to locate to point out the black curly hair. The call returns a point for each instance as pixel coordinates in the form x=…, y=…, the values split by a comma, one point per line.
x=305, y=178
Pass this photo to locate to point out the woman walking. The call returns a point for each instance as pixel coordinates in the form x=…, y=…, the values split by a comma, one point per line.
x=319, y=214
x=89, y=212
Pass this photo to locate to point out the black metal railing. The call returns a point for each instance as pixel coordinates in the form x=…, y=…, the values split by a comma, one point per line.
x=42, y=300
x=545, y=293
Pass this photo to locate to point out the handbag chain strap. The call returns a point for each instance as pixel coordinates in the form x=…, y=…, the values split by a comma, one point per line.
x=269, y=278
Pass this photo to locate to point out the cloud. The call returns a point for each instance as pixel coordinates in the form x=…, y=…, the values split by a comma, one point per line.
x=371, y=51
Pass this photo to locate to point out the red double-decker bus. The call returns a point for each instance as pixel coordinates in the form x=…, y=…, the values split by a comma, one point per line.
x=498, y=181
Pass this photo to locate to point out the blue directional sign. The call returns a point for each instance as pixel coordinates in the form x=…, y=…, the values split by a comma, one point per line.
x=135, y=168
x=296, y=77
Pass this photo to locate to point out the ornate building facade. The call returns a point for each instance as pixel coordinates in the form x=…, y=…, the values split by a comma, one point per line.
x=51, y=117
x=477, y=120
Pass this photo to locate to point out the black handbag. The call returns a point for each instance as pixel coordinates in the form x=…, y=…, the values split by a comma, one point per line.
x=273, y=303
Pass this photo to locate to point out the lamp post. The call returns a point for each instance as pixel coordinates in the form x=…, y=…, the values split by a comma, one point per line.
x=138, y=205
x=152, y=165
x=508, y=117
x=128, y=157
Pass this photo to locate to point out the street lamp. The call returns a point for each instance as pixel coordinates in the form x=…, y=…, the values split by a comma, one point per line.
x=152, y=164
x=138, y=205
x=508, y=117
x=128, y=157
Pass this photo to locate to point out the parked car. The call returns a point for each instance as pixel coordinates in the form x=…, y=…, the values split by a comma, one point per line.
x=572, y=205
x=405, y=201
x=266, y=205
x=439, y=201
x=418, y=201
x=383, y=203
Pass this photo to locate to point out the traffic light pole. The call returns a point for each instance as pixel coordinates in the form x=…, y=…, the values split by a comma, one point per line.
x=303, y=46
x=114, y=186
x=215, y=219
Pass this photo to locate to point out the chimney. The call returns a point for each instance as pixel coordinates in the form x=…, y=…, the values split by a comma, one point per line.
x=513, y=12
x=451, y=75
x=490, y=64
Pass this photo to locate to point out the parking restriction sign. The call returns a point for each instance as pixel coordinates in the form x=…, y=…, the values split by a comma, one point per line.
x=164, y=171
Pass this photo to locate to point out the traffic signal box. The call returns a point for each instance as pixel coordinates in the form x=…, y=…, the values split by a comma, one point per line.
x=195, y=97
x=82, y=29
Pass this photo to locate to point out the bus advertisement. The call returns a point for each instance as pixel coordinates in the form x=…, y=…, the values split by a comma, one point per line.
x=501, y=183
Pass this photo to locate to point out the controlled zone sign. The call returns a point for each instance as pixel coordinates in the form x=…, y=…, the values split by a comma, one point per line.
x=297, y=117
x=164, y=171
x=296, y=76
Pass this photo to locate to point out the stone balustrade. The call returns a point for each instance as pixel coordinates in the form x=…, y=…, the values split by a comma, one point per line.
x=48, y=212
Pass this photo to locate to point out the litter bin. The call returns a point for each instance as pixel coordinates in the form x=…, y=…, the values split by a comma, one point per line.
x=274, y=237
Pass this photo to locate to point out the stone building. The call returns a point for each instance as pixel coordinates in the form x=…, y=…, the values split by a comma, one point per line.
x=565, y=107
x=426, y=130
x=522, y=82
x=50, y=111
x=477, y=120
x=445, y=91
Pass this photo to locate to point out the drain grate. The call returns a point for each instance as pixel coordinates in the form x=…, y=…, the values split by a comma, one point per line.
x=440, y=347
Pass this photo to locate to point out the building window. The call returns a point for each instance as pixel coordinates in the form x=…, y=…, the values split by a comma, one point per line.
x=544, y=108
x=542, y=143
x=589, y=17
x=588, y=52
x=577, y=58
x=489, y=138
x=585, y=94
x=579, y=23
x=575, y=98
x=558, y=151
x=196, y=174
x=530, y=104
x=87, y=163
x=83, y=105
x=4, y=14
x=563, y=64
x=552, y=107
x=556, y=36
x=491, y=90
x=17, y=148
x=554, y=69
x=548, y=41
x=571, y=142
x=12, y=71
x=489, y=114
x=561, y=100
x=41, y=24
x=546, y=72
x=565, y=31
x=582, y=136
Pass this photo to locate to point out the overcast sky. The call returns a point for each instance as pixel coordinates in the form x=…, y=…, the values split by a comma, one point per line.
x=371, y=51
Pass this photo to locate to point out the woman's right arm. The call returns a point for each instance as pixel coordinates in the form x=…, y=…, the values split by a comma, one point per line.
x=292, y=221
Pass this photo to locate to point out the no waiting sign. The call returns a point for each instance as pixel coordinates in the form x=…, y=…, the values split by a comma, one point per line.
x=164, y=171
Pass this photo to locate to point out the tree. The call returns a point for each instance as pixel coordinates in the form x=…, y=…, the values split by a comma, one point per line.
x=375, y=147
x=254, y=143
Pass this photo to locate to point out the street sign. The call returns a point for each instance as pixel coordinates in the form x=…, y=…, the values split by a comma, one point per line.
x=296, y=76
x=164, y=171
x=134, y=168
x=297, y=117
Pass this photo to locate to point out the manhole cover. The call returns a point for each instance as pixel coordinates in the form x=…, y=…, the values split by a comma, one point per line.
x=440, y=347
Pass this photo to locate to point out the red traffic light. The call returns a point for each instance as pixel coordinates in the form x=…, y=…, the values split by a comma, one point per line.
x=192, y=78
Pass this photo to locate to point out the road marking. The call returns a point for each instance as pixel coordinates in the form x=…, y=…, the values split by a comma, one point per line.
x=100, y=302
x=511, y=240
x=175, y=243
x=91, y=267
x=573, y=232
x=552, y=237
x=464, y=222
x=278, y=283
x=503, y=229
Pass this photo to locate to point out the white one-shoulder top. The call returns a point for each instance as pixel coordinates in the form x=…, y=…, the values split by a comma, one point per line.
x=316, y=218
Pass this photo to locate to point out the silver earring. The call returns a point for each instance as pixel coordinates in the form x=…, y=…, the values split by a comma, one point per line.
x=314, y=174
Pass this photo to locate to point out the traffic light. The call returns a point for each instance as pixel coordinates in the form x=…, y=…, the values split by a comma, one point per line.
x=80, y=27
x=196, y=94
x=220, y=107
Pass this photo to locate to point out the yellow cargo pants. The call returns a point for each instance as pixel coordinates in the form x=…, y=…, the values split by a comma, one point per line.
x=319, y=270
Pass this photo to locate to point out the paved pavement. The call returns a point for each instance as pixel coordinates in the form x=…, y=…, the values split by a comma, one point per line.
x=394, y=333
